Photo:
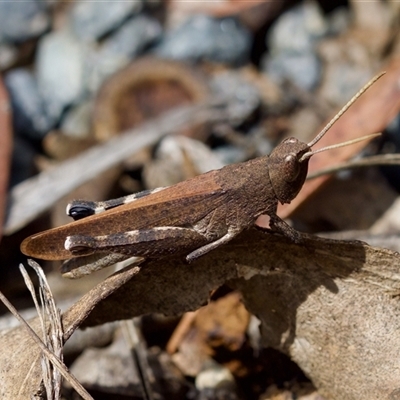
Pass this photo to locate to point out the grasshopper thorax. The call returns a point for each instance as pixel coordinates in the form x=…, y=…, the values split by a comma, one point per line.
x=287, y=169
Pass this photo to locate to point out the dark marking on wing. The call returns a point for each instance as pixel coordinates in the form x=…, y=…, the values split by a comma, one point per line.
x=81, y=209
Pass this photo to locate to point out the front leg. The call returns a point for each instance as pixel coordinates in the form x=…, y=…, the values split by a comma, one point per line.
x=152, y=242
x=279, y=225
x=213, y=245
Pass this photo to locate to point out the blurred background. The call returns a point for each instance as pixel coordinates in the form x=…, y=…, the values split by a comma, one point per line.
x=76, y=75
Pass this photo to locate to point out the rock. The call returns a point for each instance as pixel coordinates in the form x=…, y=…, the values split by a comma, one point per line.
x=231, y=84
x=110, y=369
x=343, y=78
x=304, y=69
x=133, y=37
x=204, y=38
x=178, y=158
x=8, y=55
x=298, y=29
x=29, y=115
x=216, y=382
x=22, y=20
x=99, y=66
x=76, y=122
x=120, y=48
x=60, y=71
x=292, y=43
x=91, y=20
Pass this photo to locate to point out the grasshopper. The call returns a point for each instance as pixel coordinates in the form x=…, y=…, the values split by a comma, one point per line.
x=192, y=217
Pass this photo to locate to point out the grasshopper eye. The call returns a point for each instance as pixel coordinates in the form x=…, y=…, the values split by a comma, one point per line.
x=79, y=212
x=291, y=168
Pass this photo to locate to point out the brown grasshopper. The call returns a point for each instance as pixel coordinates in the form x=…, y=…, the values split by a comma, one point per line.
x=192, y=217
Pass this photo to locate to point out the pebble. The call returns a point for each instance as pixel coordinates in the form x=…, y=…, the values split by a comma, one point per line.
x=60, y=71
x=29, y=115
x=133, y=37
x=343, y=79
x=298, y=29
x=205, y=38
x=8, y=55
x=175, y=160
x=231, y=85
x=292, y=44
x=215, y=381
x=120, y=48
x=76, y=122
x=91, y=20
x=22, y=20
x=303, y=69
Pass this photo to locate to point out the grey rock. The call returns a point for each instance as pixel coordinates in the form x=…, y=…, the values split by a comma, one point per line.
x=110, y=370
x=292, y=44
x=8, y=55
x=231, y=85
x=298, y=29
x=172, y=158
x=91, y=20
x=205, y=38
x=133, y=37
x=76, y=121
x=99, y=66
x=343, y=79
x=21, y=20
x=215, y=382
x=119, y=49
x=303, y=69
x=60, y=71
x=29, y=115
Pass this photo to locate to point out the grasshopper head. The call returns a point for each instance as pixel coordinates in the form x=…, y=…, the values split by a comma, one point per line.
x=288, y=169
x=288, y=163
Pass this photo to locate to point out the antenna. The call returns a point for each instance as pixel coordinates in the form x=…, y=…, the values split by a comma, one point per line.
x=307, y=155
x=343, y=110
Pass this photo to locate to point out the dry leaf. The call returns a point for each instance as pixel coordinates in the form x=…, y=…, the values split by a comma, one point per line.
x=220, y=327
x=332, y=306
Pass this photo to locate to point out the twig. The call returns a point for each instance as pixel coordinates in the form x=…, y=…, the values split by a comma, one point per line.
x=48, y=353
x=382, y=159
x=180, y=331
x=49, y=315
x=139, y=354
